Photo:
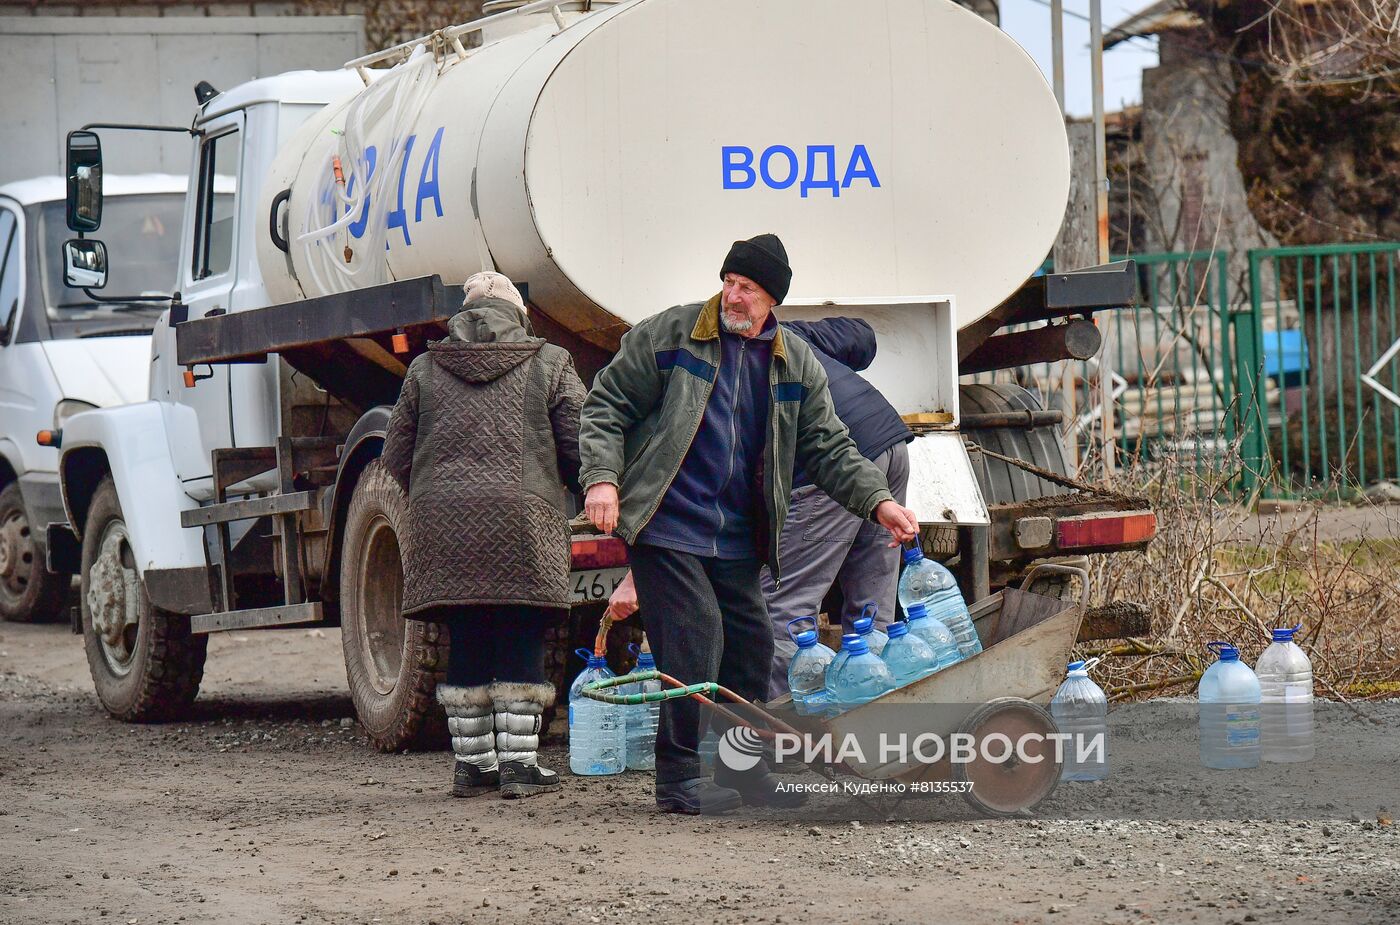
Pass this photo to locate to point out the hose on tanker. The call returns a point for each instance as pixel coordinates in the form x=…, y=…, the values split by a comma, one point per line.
x=387, y=108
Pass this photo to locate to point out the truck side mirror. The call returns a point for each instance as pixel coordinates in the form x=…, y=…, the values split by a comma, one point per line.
x=84, y=182
x=84, y=264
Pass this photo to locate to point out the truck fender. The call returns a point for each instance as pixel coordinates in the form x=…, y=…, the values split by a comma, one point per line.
x=362, y=446
x=132, y=444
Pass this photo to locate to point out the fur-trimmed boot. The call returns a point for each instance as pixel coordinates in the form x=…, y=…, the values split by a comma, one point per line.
x=471, y=723
x=519, y=707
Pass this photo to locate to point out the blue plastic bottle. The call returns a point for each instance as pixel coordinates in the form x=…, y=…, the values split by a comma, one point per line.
x=1230, y=695
x=807, y=670
x=863, y=678
x=907, y=656
x=929, y=583
x=1080, y=708
x=642, y=718
x=938, y=637
x=864, y=626
x=597, y=730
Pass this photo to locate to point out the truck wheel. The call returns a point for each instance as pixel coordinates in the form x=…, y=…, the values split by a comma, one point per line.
x=28, y=593
x=146, y=664
x=392, y=664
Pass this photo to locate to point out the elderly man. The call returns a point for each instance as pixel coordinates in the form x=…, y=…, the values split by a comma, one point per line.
x=688, y=441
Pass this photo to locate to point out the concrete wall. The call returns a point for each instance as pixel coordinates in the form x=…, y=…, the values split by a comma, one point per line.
x=60, y=72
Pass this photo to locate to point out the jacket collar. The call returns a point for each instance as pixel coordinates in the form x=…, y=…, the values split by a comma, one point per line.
x=707, y=328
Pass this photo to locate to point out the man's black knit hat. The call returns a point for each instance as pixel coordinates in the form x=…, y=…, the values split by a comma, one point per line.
x=764, y=260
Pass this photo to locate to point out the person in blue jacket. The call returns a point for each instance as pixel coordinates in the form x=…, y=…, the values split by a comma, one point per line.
x=821, y=542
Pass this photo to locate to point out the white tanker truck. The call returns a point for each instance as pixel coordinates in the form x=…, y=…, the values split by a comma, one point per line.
x=603, y=155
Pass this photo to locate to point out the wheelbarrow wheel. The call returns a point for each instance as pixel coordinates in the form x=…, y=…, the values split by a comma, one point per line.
x=1028, y=774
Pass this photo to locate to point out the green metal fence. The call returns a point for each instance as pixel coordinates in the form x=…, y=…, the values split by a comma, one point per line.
x=1281, y=382
x=1322, y=318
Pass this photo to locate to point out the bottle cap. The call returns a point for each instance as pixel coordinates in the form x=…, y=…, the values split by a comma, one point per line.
x=1286, y=633
x=854, y=645
x=916, y=611
x=897, y=629
x=863, y=625
x=1225, y=651
x=913, y=555
x=806, y=639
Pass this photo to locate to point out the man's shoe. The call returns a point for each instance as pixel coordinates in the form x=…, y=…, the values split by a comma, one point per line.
x=696, y=796
x=768, y=790
x=519, y=779
x=470, y=781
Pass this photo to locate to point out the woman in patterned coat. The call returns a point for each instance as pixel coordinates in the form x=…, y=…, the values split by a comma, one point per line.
x=484, y=440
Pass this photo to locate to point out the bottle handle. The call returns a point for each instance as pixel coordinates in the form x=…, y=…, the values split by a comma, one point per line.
x=791, y=634
x=583, y=653
x=1089, y=664
x=871, y=610
x=1218, y=647
x=635, y=649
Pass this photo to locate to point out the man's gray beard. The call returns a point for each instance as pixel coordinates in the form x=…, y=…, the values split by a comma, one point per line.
x=734, y=327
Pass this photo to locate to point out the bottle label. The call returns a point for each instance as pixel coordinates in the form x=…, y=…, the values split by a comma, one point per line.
x=1242, y=725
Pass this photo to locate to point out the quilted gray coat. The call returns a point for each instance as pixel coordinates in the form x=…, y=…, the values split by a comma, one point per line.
x=484, y=439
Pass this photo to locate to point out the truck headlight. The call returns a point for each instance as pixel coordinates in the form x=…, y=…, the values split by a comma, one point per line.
x=67, y=408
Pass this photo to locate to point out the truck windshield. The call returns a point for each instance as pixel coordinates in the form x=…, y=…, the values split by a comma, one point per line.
x=142, y=234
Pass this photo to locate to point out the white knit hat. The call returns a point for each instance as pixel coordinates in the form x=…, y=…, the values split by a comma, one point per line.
x=491, y=285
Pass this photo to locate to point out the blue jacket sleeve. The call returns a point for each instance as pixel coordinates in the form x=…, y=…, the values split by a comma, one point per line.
x=851, y=341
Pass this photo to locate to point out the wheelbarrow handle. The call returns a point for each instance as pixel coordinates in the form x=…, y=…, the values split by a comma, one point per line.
x=1057, y=568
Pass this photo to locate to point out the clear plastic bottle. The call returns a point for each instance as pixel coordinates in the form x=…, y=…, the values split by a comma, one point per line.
x=1229, y=694
x=927, y=582
x=864, y=626
x=807, y=670
x=597, y=730
x=642, y=718
x=1080, y=708
x=1286, y=709
x=833, y=670
x=863, y=678
x=938, y=637
x=907, y=656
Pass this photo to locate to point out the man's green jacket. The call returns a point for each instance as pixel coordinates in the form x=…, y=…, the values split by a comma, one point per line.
x=645, y=407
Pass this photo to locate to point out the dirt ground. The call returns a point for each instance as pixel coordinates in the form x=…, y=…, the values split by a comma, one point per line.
x=268, y=806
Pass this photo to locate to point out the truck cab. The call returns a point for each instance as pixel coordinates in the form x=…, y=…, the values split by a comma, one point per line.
x=63, y=352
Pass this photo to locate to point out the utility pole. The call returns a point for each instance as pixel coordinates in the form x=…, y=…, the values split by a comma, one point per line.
x=1101, y=214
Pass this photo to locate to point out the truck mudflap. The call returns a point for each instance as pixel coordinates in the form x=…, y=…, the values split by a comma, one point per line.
x=1069, y=525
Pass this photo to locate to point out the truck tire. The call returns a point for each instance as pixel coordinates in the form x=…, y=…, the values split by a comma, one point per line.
x=146, y=664
x=28, y=593
x=393, y=665
x=1039, y=446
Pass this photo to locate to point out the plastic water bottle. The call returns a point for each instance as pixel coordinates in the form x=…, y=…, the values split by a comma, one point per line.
x=1286, y=711
x=907, y=656
x=597, y=730
x=642, y=718
x=875, y=638
x=1080, y=708
x=1229, y=694
x=807, y=670
x=938, y=637
x=839, y=662
x=863, y=678
x=929, y=583
x=709, y=748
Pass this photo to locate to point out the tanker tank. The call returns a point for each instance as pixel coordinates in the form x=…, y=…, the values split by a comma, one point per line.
x=902, y=149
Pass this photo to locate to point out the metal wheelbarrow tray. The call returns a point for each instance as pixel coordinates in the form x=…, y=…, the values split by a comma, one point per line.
x=1027, y=639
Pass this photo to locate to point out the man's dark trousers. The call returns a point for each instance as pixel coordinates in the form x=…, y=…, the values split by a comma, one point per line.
x=706, y=620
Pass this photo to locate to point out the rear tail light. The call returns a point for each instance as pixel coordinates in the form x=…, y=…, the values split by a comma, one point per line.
x=595, y=552
x=1109, y=530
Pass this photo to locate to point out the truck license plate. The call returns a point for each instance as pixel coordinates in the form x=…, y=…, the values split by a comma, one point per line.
x=596, y=585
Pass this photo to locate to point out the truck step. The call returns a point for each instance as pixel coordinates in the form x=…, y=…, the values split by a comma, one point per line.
x=249, y=508
x=252, y=619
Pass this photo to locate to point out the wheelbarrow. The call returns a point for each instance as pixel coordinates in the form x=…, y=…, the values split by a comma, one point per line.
x=1001, y=691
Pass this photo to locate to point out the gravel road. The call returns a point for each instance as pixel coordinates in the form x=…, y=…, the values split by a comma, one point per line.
x=268, y=806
